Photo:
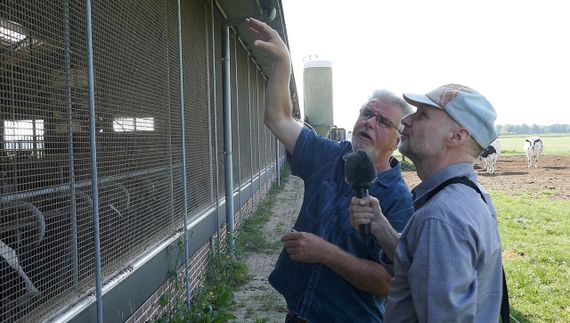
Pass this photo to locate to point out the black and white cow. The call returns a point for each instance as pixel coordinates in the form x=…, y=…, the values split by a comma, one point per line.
x=532, y=148
x=490, y=156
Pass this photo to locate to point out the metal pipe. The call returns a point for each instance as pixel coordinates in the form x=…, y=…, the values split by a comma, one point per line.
x=74, y=252
x=184, y=182
x=125, y=191
x=277, y=166
x=40, y=221
x=229, y=177
x=80, y=184
x=93, y=148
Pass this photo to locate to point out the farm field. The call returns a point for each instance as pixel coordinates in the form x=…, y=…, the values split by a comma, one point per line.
x=513, y=177
x=554, y=144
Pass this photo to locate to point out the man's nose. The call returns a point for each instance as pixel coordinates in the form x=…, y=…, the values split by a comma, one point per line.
x=371, y=121
x=407, y=120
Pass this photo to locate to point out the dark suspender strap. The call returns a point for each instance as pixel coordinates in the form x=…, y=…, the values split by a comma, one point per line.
x=504, y=313
x=454, y=180
x=505, y=308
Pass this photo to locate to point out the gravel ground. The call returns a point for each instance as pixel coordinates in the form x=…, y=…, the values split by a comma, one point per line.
x=257, y=300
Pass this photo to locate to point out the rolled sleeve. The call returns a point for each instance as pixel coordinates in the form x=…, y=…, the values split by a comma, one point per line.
x=311, y=153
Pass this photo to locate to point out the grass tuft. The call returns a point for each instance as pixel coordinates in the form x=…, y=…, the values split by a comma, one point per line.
x=536, y=251
x=225, y=272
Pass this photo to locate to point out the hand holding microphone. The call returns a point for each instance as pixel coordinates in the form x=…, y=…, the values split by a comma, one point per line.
x=359, y=173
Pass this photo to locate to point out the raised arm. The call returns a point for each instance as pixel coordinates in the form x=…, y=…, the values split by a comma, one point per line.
x=278, y=106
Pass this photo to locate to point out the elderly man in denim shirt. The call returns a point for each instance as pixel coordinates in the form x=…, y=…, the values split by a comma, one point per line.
x=326, y=272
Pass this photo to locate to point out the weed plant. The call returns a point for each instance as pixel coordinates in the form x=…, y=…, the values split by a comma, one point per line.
x=226, y=271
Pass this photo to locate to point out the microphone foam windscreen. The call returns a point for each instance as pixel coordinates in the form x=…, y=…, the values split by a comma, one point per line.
x=359, y=170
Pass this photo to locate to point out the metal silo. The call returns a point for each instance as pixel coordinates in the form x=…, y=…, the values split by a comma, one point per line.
x=318, y=96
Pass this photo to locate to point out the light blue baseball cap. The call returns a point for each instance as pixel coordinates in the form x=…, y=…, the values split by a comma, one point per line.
x=465, y=106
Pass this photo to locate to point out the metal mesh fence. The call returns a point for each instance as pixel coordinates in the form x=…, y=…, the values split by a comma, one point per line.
x=244, y=116
x=47, y=252
x=218, y=101
x=199, y=143
x=252, y=81
x=235, y=108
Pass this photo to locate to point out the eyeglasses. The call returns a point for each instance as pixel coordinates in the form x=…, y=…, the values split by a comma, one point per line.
x=382, y=121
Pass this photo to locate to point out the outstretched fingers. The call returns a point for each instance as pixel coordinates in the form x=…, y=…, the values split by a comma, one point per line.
x=259, y=28
x=266, y=38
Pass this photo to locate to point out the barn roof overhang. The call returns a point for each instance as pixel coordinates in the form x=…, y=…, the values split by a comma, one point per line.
x=269, y=11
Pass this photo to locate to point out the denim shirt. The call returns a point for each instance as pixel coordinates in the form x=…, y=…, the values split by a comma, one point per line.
x=313, y=291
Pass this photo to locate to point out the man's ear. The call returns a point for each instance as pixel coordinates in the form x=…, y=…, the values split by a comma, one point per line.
x=459, y=137
x=396, y=143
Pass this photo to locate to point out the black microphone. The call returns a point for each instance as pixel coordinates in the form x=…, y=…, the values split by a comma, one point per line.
x=359, y=172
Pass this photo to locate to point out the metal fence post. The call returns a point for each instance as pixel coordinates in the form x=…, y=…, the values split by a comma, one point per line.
x=93, y=153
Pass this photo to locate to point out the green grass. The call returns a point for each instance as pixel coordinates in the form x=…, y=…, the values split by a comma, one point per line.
x=535, y=232
x=554, y=144
x=226, y=271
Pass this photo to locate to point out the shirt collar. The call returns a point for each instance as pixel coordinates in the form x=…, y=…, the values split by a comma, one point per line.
x=454, y=170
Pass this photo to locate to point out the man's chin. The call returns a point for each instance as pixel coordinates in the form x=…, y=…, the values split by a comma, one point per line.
x=361, y=144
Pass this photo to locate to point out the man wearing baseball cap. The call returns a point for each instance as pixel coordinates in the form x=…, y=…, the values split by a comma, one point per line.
x=447, y=261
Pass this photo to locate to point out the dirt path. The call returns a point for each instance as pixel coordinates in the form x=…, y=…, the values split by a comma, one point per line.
x=257, y=300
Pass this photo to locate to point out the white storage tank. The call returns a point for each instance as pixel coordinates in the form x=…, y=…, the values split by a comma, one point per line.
x=318, y=96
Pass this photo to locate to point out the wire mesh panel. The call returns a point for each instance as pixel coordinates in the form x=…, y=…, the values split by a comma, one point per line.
x=244, y=117
x=264, y=130
x=132, y=43
x=219, y=101
x=39, y=67
x=46, y=206
x=259, y=121
x=194, y=46
x=46, y=203
x=234, y=107
x=254, y=118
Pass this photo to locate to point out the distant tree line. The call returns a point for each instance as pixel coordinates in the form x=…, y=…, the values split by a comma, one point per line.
x=522, y=129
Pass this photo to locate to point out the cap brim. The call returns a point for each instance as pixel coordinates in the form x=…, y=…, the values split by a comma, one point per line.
x=419, y=99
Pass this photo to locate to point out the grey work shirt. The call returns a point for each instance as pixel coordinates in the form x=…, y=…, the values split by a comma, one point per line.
x=447, y=266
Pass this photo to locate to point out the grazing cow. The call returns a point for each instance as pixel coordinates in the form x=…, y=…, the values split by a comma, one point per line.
x=490, y=156
x=533, y=148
